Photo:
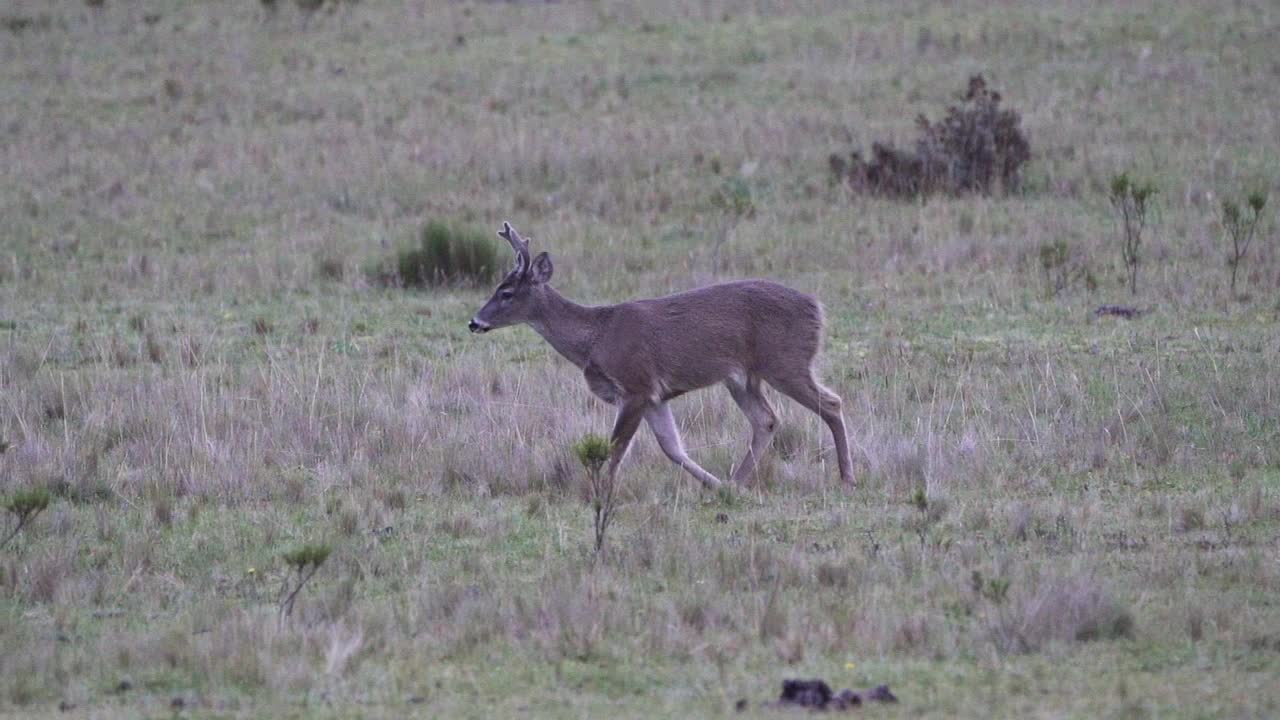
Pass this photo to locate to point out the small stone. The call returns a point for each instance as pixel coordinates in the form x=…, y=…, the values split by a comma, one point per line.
x=881, y=693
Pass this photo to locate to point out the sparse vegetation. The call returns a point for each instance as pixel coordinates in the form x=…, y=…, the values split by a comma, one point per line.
x=1060, y=268
x=977, y=148
x=1241, y=226
x=1115, y=484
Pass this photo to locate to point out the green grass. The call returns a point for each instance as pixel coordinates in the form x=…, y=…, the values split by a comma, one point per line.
x=195, y=365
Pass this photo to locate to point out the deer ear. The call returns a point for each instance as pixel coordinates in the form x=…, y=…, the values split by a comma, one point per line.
x=541, y=270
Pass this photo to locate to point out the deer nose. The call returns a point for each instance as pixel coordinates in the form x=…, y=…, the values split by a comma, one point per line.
x=476, y=327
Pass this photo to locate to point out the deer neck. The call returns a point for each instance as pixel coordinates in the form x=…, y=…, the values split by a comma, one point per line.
x=570, y=328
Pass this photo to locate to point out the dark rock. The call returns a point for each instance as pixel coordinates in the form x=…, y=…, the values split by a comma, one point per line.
x=846, y=700
x=805, y=693
x=880, y=693
x=816, y=695
x=1120, y=311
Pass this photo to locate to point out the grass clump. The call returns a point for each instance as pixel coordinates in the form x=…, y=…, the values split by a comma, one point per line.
x=1061, y=267
x=1241, y=226
x=445, y=254
x=977, y=147
x=1131, y=198
x=1058, y=609
x=25, y=505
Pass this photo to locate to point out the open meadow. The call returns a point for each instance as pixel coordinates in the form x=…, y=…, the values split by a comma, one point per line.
x=203, y=364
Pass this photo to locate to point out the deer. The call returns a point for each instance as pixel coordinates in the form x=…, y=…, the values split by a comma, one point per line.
x=640, y=355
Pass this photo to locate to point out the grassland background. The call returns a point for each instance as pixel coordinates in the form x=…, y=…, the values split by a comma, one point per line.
x=193, y=359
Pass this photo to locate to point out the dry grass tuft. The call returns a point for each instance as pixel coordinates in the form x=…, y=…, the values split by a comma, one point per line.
x=1056, y=609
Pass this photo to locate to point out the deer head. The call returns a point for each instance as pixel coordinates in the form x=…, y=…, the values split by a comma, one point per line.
x=519, y=291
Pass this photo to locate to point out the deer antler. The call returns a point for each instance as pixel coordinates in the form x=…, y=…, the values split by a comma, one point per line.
x=518, y=244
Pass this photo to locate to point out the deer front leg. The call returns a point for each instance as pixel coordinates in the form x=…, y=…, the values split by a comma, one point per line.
x=624, y=428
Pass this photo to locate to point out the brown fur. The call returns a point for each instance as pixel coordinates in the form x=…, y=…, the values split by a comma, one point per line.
x=640, y=354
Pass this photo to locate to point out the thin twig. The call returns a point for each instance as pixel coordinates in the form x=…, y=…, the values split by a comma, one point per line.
x=288, y=602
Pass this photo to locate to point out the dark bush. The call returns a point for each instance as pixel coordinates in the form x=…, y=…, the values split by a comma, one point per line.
x=977, y=147
x=446, y=254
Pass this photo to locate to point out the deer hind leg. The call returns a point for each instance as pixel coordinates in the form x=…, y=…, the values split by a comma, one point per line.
x=664, y=428
x=763, y=423
x=807, y=391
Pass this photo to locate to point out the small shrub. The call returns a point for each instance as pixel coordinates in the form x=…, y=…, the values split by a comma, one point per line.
x=993, y=590
x=1190, y=518
x=919, y=500
x=330, y=268
x=977, y=147
x=1060, y=267
x=1131, y=198
x=593, y=452
x=306, y=561
x=155, y=351
x=25, y=505
x=162, y=510
x=1240, y=227
x=348, y=522
x=735, y=198
x=444, y=255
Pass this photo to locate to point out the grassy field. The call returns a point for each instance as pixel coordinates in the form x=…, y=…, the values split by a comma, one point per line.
x=1058, y=515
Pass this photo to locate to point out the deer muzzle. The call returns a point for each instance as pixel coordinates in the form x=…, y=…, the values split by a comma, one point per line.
x=476, y=326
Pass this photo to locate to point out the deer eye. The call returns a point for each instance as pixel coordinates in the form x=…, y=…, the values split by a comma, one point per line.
x=506, y=294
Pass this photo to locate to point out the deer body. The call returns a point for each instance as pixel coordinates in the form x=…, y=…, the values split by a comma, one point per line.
x=641, y=354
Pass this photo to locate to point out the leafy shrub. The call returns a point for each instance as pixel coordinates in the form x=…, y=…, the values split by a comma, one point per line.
x=1061, y=267
x=310, y=554
x=593, y=452
x=1131, y=197
x=330, y=268
x=445, y=254
x=977, y=147
x=1240, y=227
x=25, y=505
x=306, y=561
